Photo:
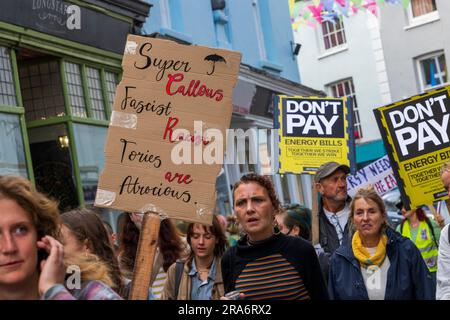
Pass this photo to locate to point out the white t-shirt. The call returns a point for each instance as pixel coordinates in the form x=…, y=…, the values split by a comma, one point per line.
x=375, y=278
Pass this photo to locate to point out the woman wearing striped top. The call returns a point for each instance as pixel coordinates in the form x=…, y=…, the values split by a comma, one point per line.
x=265, y=264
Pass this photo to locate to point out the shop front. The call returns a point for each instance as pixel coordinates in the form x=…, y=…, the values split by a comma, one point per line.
x=60, y=62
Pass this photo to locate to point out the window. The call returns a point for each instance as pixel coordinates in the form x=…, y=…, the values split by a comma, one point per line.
x=111, y=84
x=432, y=71
x=90, y=141
x=75, y=88
x=346, y=88
x=91, y=90
x=42, y=91
x=422, y=7
x=95, y=93
x=333, y=34
x=7, y=90
x=13, y=161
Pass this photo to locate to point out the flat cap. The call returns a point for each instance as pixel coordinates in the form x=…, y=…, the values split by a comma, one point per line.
x=328, y=169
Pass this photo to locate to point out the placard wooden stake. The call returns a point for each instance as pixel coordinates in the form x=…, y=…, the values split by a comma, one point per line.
x=315, y=214
x=145, y=256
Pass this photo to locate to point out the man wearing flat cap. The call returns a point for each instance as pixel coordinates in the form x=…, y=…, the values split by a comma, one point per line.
x=334, y=206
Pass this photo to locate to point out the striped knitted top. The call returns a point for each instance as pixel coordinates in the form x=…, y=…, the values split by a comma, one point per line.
x=158, y=285
x=271, y=277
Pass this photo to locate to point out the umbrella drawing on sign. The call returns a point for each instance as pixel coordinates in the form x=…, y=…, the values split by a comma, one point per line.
x=214, y=58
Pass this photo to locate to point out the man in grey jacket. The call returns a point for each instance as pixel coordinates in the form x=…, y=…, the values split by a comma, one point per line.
x=334, y=206
x=443, y=271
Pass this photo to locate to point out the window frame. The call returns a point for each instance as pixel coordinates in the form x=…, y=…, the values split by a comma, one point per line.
x=19, y=110
x=357, y=127
x=421, y=76
x=86, y=94
x=335, y=32
x=422, y=19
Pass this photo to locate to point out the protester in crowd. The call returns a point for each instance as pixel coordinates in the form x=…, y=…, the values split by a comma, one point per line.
x=83, y=232
x=170, y=248
x=200, y=276
x=378, y=263
x=443, y=270
x=295, y=220
x=334, y=206
x=32, y=262
x=423, y=232
x=265, y=264
x=233, y=229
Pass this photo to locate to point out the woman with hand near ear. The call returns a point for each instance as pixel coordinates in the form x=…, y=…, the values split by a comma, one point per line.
x=32, y=262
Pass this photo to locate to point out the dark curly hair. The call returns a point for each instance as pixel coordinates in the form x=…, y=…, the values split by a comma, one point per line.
x=264, y=182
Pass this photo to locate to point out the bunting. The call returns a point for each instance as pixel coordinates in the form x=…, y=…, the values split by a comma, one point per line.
x=315, y=12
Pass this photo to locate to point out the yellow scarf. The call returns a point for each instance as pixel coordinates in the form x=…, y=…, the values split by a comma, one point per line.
x=363, y=256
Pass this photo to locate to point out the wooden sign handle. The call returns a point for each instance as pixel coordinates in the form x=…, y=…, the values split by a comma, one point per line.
x=143, y=265
x=437, y=217
x=315, y=215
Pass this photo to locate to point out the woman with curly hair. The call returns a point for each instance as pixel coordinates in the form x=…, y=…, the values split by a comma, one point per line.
x=170, y=248
x=32, y=262
x=264, y=264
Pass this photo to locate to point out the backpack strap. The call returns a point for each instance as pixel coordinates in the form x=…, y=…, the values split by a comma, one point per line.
x=178, y=273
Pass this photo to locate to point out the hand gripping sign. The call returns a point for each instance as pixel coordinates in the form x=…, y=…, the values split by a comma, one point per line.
x=416, y=133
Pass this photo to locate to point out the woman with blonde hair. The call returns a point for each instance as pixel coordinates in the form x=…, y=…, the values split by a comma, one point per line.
x=83, y=232
x=378, y=263
x=32, y=262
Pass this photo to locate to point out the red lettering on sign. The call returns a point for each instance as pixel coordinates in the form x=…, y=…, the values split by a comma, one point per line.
x=195, y=88
x=169, y=128
x=181, y=178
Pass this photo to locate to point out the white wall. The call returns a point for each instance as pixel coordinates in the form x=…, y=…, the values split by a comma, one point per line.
x=362, y=59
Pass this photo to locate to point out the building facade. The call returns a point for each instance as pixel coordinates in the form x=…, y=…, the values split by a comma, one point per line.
x=60, y=62
x=416, y=46
x=376, y=60
x=261, y=30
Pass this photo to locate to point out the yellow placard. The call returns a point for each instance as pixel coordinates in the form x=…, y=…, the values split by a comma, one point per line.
x=416, y=136
x=312, y=131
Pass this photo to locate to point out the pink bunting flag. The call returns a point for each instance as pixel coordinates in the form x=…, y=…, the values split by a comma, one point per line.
x=316, y=11
x=372, y=7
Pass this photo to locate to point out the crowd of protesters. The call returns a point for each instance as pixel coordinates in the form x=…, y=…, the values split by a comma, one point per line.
x=261, y=251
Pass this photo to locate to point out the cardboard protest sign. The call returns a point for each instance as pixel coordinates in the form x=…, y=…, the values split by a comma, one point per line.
x=312, y=131
x=415, y=132
x=379, y=174
x=165, y=142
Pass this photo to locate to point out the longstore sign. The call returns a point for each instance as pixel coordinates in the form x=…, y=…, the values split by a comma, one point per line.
x=416, y=135
x=167, y=89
